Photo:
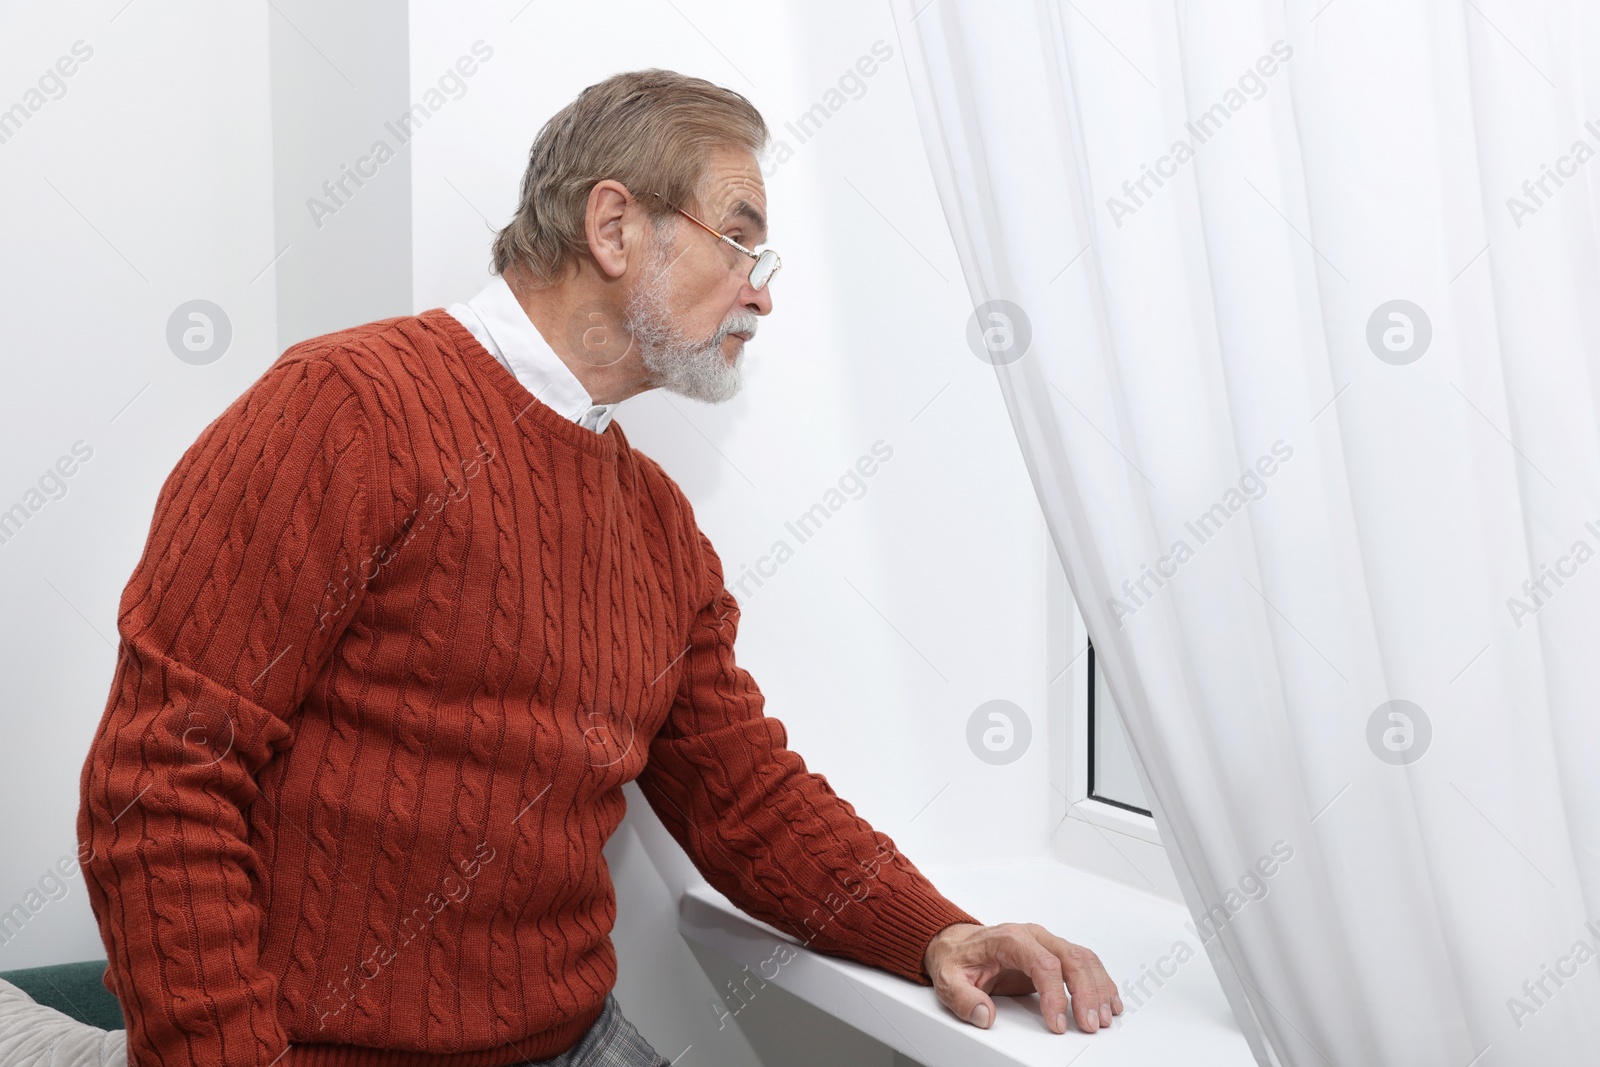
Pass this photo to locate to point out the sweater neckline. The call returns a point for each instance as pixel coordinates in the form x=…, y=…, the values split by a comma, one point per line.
x=531, y=410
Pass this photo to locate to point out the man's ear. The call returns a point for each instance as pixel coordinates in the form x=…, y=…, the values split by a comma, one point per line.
x=604, y=227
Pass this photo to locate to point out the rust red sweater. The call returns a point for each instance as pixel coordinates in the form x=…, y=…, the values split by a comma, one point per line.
x=399, y=635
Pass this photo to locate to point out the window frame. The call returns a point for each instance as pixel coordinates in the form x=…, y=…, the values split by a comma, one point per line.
x=1070, y=666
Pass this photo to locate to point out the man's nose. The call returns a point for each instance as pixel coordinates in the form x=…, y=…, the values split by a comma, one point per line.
x=757, y=300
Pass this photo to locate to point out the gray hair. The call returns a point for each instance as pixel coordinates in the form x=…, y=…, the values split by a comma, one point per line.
x=651, y=130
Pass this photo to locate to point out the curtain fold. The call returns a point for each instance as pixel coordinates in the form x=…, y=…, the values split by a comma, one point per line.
x=1295, y=314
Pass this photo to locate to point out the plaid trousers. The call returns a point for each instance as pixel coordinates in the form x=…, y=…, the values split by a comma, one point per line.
x=610, y=1042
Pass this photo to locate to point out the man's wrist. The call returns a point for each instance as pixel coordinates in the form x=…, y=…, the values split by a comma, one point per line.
x=927, y=952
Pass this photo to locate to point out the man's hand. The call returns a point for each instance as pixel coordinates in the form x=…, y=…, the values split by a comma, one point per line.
x=968, y=962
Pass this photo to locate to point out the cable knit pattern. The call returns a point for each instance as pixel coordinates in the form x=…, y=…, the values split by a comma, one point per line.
x=398, y=637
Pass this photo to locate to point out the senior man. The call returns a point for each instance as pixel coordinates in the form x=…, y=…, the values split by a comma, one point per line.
x=412, y=611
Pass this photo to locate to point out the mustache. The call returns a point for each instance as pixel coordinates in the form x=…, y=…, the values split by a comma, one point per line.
x=741, y=320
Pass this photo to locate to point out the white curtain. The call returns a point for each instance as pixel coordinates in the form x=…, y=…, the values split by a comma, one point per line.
x=1299, y=333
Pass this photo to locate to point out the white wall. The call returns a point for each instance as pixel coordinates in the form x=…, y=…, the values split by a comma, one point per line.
x=146, y=184
x=341, y=218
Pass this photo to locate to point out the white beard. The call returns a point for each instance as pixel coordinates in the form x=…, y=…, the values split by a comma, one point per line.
x=693, y=368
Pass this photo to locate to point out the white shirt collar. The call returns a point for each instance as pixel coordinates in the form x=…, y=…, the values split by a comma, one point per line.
x=500, y=325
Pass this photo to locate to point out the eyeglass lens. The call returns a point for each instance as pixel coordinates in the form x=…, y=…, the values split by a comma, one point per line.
x=766, y=266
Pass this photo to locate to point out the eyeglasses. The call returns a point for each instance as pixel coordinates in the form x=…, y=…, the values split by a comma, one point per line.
x=766, y=265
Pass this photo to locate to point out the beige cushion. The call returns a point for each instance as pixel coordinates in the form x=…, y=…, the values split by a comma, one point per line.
x=34, y=1035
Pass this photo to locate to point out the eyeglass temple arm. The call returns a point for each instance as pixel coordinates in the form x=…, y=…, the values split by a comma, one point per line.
x=742, y=248
x=719, y=236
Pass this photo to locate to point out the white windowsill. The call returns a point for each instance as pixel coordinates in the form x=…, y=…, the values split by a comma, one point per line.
x=1185, y=1020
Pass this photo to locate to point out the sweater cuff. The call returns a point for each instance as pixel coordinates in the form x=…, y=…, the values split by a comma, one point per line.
x=907, y=921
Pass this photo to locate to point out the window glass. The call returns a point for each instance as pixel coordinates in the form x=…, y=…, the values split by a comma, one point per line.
x=1112, y=776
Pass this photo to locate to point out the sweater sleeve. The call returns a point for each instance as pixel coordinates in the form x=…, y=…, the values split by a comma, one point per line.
x=770, y=835
x=252, y=569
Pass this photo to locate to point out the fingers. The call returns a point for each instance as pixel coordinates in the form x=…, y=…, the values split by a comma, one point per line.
x=1095, y=999
x=958, y=993
x=1024, y=965
x=1000, y=955
x=1018, y=948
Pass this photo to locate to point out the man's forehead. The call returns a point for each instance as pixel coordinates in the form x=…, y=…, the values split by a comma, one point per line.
x=737, y=194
